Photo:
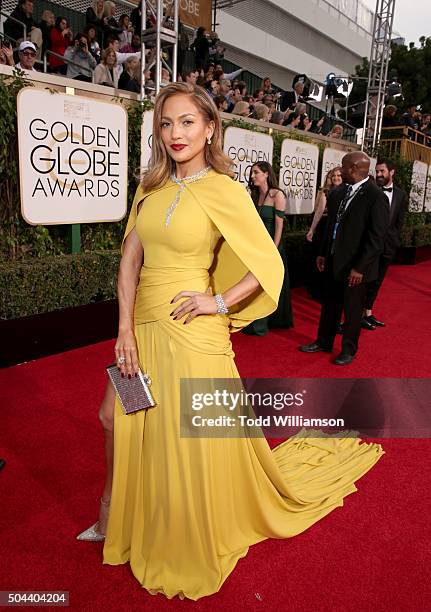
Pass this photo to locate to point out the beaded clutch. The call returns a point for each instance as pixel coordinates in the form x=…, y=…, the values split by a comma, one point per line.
x=134, y=393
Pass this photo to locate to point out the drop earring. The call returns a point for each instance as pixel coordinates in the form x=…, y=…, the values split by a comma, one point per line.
x=209, y=140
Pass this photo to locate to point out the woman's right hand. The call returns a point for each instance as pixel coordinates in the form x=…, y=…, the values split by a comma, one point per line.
x=126, y=348
x=309, y=235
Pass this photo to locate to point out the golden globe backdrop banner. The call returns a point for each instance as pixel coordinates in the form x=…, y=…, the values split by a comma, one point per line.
x=331, y=158
x=245, y=148
x=72, y=158
x=427, y=205
x=146, y=139
x=193, y=13
x=299, y=163
x=373, y=164
x=418, y=186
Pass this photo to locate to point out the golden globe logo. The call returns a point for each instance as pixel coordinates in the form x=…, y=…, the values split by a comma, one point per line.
x=81, y=160
x=72, y=158
x=190, y=6
x=298, y=175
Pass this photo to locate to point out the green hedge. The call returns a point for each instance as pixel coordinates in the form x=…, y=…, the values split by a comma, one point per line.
x=63, y=281
x=422, y=236
x=42, y=285
x=42, y=277
x=55, y=282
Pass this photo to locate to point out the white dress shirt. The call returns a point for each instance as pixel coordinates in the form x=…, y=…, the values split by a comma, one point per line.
x=389, y=194
x=354, y=191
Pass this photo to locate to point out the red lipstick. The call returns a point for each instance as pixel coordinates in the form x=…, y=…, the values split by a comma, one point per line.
x=178, y=147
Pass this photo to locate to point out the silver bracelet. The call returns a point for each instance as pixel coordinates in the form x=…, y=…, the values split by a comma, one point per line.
x=221, y=306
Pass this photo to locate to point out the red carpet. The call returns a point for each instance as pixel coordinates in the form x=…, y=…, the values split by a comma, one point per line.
x=372, y=554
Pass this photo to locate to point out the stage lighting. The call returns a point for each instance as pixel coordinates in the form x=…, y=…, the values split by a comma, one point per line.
x=330, y=85
x=316, y=92
x=395, y=89
x=344, y=87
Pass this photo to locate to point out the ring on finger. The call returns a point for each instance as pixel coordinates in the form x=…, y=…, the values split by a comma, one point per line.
x=121, y=360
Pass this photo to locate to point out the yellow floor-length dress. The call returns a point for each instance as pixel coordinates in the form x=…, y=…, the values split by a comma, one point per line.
x=185, y=510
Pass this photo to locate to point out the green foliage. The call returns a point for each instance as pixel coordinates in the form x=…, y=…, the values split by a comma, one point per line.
x=408, y=235
x=422, y=235
x=412, y=66
x=18, y=240
x=43, y=285
x=10, y=218
x=45, y=277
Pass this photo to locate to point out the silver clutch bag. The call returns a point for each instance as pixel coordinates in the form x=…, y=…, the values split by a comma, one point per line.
x=134, y=393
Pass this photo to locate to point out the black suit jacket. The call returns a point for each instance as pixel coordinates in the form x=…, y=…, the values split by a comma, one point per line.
x=288, y=100
x=399, y=207
x=361, y=233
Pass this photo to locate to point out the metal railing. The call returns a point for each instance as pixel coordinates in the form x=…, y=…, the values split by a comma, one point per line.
x=66, y=61
x=3, y=14
x=408, y=143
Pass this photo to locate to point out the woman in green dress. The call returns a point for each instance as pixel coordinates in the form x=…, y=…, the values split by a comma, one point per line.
x=270, y=202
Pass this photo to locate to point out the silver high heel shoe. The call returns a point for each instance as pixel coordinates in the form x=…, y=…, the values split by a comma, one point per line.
x=91, y=534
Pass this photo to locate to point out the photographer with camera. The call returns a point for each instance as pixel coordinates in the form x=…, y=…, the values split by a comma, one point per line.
x=83, y=62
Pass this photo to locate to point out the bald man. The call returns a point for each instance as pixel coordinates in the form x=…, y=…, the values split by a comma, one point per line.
x=358, y=218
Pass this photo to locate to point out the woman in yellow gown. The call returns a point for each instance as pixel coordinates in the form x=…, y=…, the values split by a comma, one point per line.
x=184, y=510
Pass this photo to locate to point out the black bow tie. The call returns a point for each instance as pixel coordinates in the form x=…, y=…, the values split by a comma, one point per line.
x=390, y=189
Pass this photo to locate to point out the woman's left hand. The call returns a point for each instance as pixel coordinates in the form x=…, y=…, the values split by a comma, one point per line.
x=197, y=304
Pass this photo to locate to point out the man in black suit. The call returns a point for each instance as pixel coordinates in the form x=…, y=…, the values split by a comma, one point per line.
x=358, y=218
x=398, y=203
x=291, y=98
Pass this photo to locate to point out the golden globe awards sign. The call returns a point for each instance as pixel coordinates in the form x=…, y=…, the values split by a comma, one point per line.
x=72, y=158
x=146, y=139
x=193, y=13
x=196, y=13
x=427, y=205
x=298, y=175
x=418, y=186
x=245, y=148
x=331, y=159
x=373, y=164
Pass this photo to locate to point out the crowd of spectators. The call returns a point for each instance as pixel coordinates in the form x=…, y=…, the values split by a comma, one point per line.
x=99, y=54
x=108, y=52
x=412, y=118
x=264, y=104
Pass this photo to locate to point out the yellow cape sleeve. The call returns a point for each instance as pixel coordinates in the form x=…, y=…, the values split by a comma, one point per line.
x=247, y=246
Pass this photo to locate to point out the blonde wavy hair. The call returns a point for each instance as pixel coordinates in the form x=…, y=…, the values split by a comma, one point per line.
x=327, y=185
x=106, y=53
x=100, y=13
x=161, y=165
x=107, y=8
x=241, y=108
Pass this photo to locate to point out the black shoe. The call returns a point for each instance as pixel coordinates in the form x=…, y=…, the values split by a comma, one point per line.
x=365, y=324
x=344, y=359
x=372, y=319
x=340, y=328
x=314, y=347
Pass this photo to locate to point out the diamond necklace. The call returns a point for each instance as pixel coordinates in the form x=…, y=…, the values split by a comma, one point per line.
x=182, y=184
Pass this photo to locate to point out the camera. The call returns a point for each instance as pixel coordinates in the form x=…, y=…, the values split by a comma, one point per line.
x=81, y=44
